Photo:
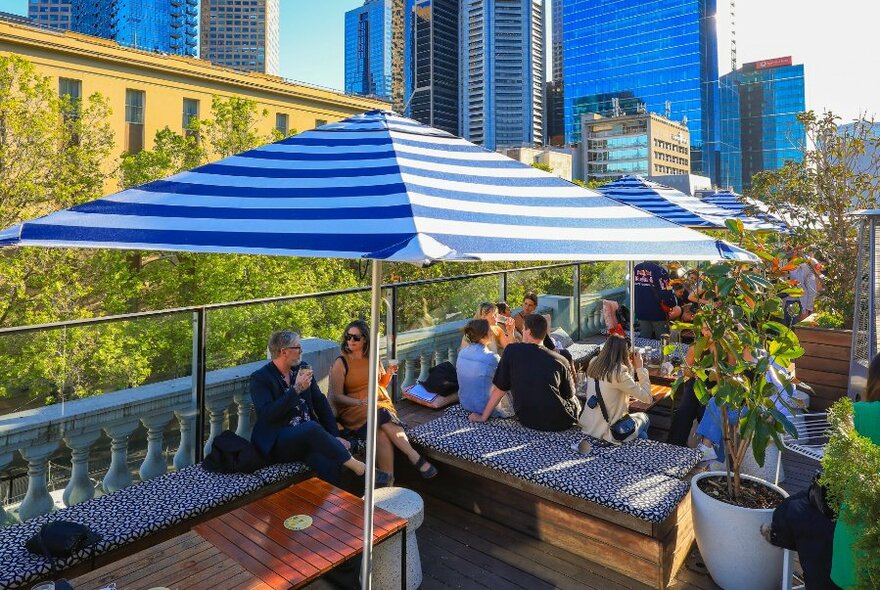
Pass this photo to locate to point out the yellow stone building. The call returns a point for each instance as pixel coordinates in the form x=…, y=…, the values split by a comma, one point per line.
x=149, y=91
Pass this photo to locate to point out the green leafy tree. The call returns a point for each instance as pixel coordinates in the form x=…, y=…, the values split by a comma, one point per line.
x=746, y=316
x=818, y=193
x=851, y=475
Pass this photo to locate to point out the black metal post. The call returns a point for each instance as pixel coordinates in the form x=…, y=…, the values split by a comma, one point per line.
x=504, y=287
x=392, y=345
x=576, y=281
x=199, y=370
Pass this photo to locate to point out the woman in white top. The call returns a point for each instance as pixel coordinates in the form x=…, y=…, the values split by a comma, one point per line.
x=614, y=368
x=498, y=338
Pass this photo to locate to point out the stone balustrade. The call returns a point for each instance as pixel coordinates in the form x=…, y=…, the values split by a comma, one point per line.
x=80, y=425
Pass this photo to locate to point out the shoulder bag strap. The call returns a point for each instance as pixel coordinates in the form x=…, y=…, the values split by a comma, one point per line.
x=601, y=402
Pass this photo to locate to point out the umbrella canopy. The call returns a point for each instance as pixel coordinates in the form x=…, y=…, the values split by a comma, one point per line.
x=669, y=203
x=736, y=205
x=373, y=186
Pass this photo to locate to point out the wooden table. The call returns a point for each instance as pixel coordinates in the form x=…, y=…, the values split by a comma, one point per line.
x=251, y=548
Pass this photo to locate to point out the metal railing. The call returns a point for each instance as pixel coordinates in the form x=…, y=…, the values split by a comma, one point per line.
x=201, y=402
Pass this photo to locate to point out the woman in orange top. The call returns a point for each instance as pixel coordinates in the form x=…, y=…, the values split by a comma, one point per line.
x=349, y=387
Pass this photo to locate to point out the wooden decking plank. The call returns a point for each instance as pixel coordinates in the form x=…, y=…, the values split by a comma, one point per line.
x=450, y=567
x=540, y=559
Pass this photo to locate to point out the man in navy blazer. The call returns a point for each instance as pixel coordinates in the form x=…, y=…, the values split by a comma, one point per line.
x=294, y=419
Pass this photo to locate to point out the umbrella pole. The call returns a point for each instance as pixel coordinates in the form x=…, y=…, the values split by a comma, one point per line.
x=632, y=299
x=370, y=475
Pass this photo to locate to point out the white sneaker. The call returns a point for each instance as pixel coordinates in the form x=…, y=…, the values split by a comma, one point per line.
x=708, y=452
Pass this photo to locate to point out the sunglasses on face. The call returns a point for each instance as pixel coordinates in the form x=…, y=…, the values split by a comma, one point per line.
x=354, y=337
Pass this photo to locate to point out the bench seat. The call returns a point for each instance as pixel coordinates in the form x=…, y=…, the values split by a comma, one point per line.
x=641, y=478
x=133, y=513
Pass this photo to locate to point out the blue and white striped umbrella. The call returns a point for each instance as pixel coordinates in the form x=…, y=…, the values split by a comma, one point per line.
x=669, y=203
x=736, y=204
x=372, y=186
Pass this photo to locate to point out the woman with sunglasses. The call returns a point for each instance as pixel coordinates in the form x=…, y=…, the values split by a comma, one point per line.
x=349, y=386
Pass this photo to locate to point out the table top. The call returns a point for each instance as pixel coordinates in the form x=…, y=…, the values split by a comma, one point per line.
x=658, y=391
x=250, y=547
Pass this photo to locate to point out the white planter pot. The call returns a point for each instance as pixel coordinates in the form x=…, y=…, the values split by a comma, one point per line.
x=730, y=541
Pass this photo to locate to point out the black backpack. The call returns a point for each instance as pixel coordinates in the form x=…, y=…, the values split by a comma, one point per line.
x=442, y=379
x=61, y=539
x=231, y=453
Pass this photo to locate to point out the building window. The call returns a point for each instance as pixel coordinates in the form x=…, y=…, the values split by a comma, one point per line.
x=190, y=112
x=70, y=87
x=281, y=121
x=320, y=122
x=134, y=120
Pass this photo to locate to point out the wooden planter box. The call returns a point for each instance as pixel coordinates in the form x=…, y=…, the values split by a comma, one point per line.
x=825, y=364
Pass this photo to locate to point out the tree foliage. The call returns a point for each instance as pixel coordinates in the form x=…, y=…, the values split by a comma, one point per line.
x=838, y=174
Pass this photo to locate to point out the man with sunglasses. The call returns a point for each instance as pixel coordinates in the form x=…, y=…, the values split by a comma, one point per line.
x=294, y=419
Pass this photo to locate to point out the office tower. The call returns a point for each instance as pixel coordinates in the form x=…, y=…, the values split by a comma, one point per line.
x=554, y=113
x=501, y=65
x=50, y=13
x=759, y=107
x=399, y=24
x=644, y=52
x=641, y=143
x=169, y=27
x=435, y=64
x=242, y=35
x=368, y=39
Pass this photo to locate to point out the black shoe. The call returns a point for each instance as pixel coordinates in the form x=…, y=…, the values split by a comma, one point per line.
x=383, y=479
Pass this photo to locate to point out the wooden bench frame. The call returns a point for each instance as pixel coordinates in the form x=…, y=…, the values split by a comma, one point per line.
x=647, y=552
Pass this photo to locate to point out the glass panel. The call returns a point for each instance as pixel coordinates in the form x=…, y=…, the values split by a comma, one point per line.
x=190, y=111
x=134, y=106
x=281, y=123
x=600, y=280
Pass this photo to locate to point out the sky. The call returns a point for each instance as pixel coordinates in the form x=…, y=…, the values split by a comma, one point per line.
x=835, y=42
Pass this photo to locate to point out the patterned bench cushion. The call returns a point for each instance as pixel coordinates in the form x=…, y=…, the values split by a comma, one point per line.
x=640, y=478
x=132, y=513
x=654, y=357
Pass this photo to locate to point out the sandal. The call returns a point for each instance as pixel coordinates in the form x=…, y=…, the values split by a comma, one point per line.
x=428, y=473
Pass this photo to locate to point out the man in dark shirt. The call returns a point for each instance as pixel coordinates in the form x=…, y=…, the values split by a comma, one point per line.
x=539, y=381
x=653, y=298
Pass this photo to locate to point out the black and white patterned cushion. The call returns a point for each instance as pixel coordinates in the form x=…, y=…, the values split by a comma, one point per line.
x=639, y=478
x=580, y=351
x=124, y=516
x=281, y=471
x=656, y=352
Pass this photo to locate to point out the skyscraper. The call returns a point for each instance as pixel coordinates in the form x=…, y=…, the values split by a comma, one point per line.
x=644, y=52
x=170, y=27
x=241, y=35
x=50, y=13
x=368, y=40
x=554, y=107
x=501, y=65
x=760, y=131
x=434, y=42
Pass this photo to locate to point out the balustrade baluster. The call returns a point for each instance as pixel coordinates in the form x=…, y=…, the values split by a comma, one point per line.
x=37, y=500
x=438, y=356
x=119, y=475
x=409, y=365
x=154, y=463
x=5, y=459
x=80, y=487
x=451, y=354
x=216, y=416
x=245, y=404
x=425, y=362
x=186, y=450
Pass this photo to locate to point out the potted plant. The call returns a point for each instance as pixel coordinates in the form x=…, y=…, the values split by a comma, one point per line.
x=741, y=345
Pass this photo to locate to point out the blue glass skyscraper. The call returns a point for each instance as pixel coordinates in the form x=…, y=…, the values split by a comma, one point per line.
x=171, y=27
x=760, y=131
x=432, y=79
x=644, y=52
x=368, y=36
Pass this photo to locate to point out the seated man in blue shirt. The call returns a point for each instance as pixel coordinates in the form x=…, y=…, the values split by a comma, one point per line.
x=539, y=381
x=294, y=419
x=653, y=299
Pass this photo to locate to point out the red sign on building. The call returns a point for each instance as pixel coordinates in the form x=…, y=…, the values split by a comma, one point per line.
x=776, y=62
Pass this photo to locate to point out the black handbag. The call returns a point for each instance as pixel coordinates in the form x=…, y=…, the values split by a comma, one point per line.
x=231, y=453
x=61, y=539
x=621, y=430
x=442, y=379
